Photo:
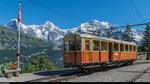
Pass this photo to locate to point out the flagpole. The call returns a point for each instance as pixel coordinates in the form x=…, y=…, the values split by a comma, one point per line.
x=18, y=44
x=19, y=20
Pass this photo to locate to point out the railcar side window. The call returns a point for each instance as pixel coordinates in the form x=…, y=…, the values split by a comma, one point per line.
x=116, y=47
x=130, y=48
x=71, y=45
x=95, y=45
x=126, y=47
x=121, y=47
x=66, y=46
x=78, y=45
x=87, y=45
x=104, y=46
x=134, y=48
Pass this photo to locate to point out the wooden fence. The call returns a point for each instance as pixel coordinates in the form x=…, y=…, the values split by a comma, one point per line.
x=142, y=56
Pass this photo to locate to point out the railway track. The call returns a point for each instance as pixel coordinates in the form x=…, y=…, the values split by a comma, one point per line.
x=57, y=78
x=79, y=73
x=141, y=73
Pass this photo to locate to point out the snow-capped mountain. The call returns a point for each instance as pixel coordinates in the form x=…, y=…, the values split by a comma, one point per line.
x=48, y=31
x=91, y=25
x=138, y=34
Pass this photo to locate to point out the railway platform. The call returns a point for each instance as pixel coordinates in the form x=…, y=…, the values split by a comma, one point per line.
x=35, y=76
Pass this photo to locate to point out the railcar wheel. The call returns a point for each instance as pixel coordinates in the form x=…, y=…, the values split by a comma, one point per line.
x=118, y=64
x=131, y=62
x=104, y=65
x=128, y=63
x=91, y=70
x=84, y=70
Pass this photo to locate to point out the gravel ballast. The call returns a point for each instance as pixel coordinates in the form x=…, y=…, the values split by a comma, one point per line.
x=122, y=74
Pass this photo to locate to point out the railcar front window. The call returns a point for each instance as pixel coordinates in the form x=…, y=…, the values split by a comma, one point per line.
x=96, y=45
x=104, y=46
x=121, y=47
x=87, y=45
x=116, y=47
x=134, y=48
x=71, y=45
x=78, y=45
x=66, y=46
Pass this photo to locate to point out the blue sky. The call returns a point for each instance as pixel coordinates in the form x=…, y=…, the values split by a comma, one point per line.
x=118, y=12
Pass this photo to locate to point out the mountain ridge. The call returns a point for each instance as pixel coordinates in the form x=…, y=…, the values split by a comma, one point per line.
x=48, y=31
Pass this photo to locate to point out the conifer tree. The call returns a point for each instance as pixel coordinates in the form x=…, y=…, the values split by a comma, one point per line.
x=109, y=33
x=116, y=37
x=128, y=35
x=146, y=42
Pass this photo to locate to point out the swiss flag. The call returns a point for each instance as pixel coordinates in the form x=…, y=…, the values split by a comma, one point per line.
x=19, y=14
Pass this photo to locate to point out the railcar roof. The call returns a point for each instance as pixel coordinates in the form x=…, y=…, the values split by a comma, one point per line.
x=103, y=38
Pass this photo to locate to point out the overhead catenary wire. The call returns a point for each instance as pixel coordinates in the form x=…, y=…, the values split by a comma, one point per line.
x=54, y=10
x=137, y=11
x=140, y=17
x=135, y=18
x=70, y=16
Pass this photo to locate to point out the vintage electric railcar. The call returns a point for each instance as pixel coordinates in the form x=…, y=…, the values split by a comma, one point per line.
x=87, y=51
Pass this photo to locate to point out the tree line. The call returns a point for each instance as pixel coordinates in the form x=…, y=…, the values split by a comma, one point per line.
x=39, y=64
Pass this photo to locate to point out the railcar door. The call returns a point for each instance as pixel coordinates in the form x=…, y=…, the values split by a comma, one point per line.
x=75, y=48
x=65, y=52
x=71, y=51
x=110, y=51
x=78, y=50
x=87, y=57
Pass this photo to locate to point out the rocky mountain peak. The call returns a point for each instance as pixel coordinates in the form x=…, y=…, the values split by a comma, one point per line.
x=12, y=24
x=48, y=31
x=48, y=24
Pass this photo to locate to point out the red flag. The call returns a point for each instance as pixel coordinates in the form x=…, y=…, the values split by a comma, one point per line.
x=19, y=14
x=17, y=54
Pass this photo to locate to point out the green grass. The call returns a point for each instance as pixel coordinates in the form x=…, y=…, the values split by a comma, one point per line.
x=1, y=48
x=56, y=48
x=143, y=60
x=1, y=65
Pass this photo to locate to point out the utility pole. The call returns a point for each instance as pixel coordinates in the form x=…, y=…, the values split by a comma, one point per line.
x=148, y=50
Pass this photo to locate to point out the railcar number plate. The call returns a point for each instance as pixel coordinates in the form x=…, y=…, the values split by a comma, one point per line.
x=116, y=53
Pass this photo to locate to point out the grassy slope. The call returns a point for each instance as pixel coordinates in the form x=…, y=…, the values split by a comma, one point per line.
x=8, y=39
x=30, y=48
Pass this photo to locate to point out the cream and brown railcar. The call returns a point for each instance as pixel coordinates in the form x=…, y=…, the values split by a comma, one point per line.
x=83, y=50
